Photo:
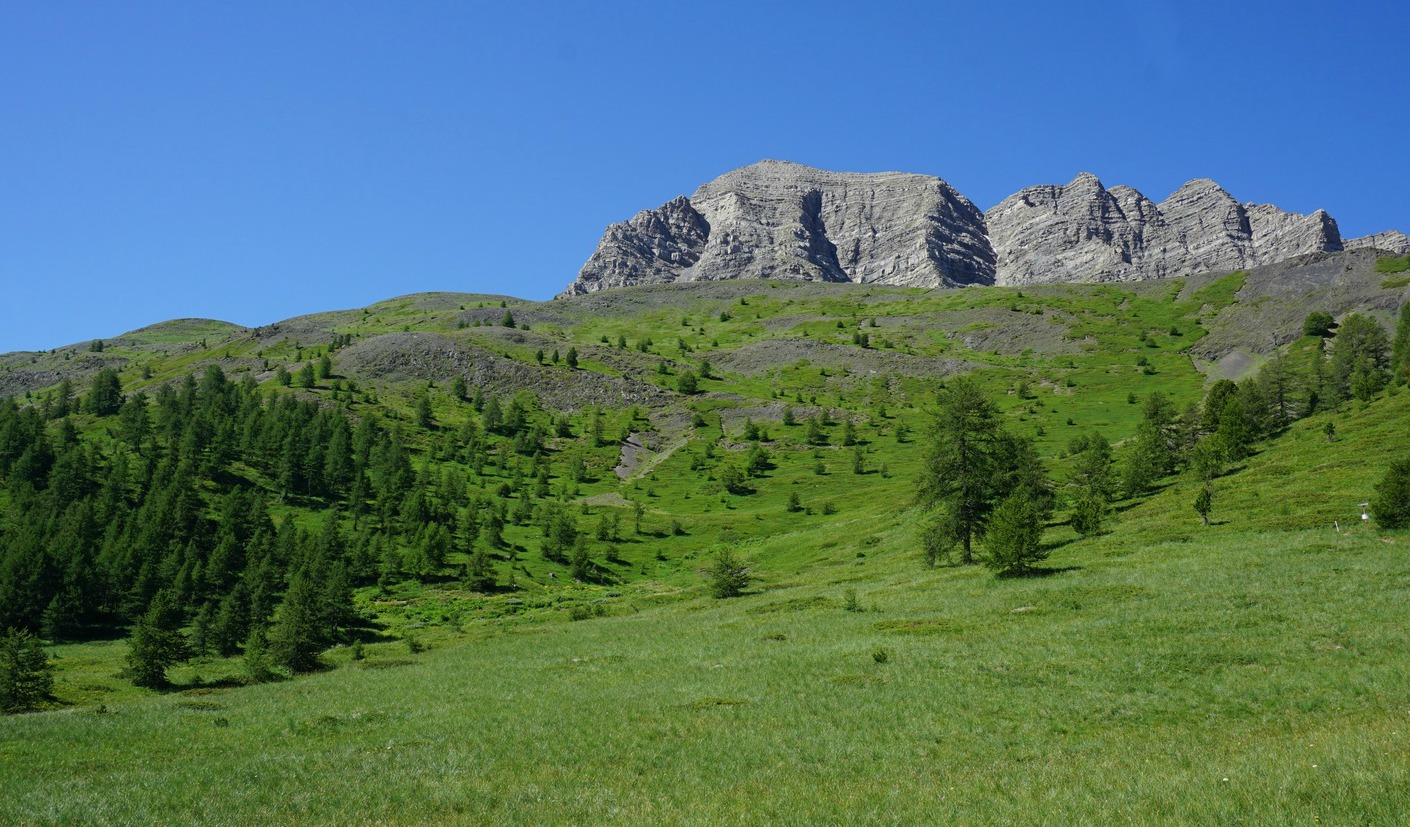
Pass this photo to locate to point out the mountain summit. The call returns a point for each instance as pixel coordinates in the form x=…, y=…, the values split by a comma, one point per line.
x=776, y=219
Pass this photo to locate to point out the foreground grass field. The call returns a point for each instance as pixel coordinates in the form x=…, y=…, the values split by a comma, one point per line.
x=1163, y=673
x=1252, y=678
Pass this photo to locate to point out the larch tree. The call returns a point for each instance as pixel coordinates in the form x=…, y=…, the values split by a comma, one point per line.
x=157, y=643
x=26, y=676
x=958, y=470
x=1400, y=347
x=1092, y=483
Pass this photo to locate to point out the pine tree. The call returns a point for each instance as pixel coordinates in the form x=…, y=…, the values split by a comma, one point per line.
x=1013, y=539
x=1391, y=504
x=480, y=572
x=1360, y=358
x=956, y=485
x=1092, y=483
x=1400, y=347
x=425, y=416
x=105, y=394
x=579, y=560
x=1204, y=502
x=259, y=666
x=26, y=675
x=156, y=643
x=733, y=479
x=1318, y=323
x=1236, y=430
x=758, y=461
x=729, y=576
x=296, y=638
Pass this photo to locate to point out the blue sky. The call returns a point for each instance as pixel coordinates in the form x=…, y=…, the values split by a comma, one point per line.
x=252, y=161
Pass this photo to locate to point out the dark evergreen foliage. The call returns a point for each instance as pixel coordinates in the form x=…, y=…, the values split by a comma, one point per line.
x=26, y=676
x=1391, y=504
x=166, y=524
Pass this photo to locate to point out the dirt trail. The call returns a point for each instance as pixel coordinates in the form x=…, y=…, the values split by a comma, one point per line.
x=637, y=459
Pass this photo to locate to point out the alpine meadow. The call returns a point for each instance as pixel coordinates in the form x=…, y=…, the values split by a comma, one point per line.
x=740, y=551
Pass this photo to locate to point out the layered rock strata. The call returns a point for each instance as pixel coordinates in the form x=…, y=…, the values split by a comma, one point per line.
x=774, y=219
x=1392, y=241
x=1083, y=232
x=781, y=220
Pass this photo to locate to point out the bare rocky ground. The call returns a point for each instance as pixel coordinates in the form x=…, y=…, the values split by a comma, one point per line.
x=1275, y=300
x=401, y=357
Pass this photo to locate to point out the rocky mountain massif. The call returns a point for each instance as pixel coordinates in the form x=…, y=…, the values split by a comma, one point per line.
x=776, y=219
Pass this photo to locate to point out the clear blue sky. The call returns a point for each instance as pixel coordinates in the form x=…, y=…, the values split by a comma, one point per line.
x=251, y=161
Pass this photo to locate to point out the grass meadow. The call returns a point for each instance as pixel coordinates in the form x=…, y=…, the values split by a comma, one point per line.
x=1164, y=673
x=1251, y=672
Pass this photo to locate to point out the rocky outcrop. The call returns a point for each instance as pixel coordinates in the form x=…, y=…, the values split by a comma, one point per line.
x=654, y=247
x=1392, y=241
x=1048, y=233
x=1083, y=232
x=779, y=220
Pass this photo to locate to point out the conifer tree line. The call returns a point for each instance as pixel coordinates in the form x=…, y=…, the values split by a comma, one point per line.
x=982, y=484
x=169, y=514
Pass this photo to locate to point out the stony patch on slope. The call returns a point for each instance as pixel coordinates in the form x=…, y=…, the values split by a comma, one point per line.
x=402, y=357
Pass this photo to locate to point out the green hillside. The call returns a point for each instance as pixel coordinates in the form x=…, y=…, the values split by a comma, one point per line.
x=507, y=529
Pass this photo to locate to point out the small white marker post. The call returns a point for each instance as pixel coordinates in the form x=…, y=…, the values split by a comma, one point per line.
x=1365, y=517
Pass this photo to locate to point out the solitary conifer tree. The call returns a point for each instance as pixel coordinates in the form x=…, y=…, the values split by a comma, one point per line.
x=956, y=483
x=157, y=643
x=26, y=676
x=1400, y=348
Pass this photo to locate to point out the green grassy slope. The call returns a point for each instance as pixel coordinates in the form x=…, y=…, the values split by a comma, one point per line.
x=1164, y=672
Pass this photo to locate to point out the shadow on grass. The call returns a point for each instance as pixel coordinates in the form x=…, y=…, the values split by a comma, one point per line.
x=1036, y=572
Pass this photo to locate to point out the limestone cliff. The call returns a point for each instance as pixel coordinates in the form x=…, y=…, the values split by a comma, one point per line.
x=774, y=219
x=780, y=220
x=1085, y=233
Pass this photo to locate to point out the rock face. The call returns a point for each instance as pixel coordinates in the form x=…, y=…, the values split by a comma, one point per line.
x=780, y=220
x=1084, y=232
x=774, y=219
x=1392, y=241
x=654, y=247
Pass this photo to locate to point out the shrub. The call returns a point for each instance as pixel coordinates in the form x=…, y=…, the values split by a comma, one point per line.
x=1391, y=504
x=26, y=676
x=1317, y=324
x=729, y=576
x=1014, y=535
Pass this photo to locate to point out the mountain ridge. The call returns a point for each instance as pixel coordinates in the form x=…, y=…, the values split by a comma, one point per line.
x=778, y=219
